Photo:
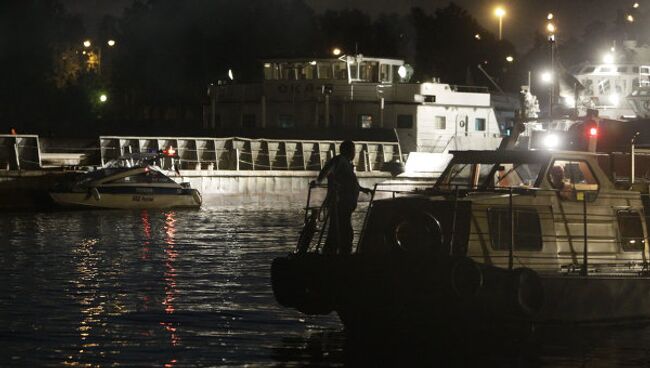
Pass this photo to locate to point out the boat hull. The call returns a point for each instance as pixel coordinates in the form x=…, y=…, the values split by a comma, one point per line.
x=400, y=293
x=186, y=198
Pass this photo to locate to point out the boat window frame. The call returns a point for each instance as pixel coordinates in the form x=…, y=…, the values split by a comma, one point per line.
x=495, y=227
x=574, y=198
x=638, y=215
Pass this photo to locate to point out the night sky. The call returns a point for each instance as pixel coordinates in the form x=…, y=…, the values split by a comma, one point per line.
x=523, y=19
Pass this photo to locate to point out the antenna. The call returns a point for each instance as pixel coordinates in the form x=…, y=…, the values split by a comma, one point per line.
x=490, y=79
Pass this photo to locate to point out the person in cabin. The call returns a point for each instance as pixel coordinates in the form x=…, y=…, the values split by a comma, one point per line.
x=342, y=194
x=558, y=182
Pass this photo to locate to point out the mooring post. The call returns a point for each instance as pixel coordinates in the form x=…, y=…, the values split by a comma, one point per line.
x=512, y=233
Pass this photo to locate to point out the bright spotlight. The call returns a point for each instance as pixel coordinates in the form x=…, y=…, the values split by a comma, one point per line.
x=569, y=101
x=630, y=18
x=550, y=27
x=336, y=51
x=499, y=12
x=547, y=77
x=614, y=99
x=230, y=75
x=103, y=97
x=110, y=43
x=608, y=58
x=87, y=43
x=635, y=6
x=401, y=71
x=510, y=59
x=549, y=16
x=551, y=141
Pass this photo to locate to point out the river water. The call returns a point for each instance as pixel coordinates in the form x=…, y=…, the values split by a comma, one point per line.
x=191, y=288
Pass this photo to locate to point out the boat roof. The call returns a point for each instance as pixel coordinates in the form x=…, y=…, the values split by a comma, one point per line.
x=514, y=156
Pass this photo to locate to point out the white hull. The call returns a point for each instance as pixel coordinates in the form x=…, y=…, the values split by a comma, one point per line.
x=126, y=201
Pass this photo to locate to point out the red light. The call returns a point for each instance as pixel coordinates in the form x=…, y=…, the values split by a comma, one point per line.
x=170, y=151
x=593, y=132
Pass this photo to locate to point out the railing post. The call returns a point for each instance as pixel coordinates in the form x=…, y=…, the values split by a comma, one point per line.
x=237, y=159
x=512, y=233
x=585, y=257
x=453, y=224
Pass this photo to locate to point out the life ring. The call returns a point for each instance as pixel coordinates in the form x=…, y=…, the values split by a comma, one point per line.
x=462, y=123
x=527, y=291
x=466, y=278
x=417, y=233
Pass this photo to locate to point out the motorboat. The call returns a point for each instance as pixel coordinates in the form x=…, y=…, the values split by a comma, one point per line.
x=130, y=181
x=534, y=236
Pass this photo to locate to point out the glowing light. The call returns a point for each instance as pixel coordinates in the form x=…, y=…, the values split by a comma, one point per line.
x=510, y=59
x=551, y=141
x=569, y=101
x=550, y=27
x=401, y=71
x=608, y=58
x=336, y=51
x=547, y=77
x=230, y=75
x=630, y=18
x=87, y=43
x=110, y=43
x=477, y=36
x=500, y=12
x=614, y=99
x=593, y=132
x=550, y=16
x=103, y=97
x=170, y=151
x=313, y=62
x=635, y=6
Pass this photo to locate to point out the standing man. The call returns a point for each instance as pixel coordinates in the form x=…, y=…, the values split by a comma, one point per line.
x=342, y=195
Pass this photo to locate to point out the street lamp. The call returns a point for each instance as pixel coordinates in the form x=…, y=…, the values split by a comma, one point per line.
x=500, y=12
x=98, y=55
x=336, y=51
x=551, y=29
x=87, y=43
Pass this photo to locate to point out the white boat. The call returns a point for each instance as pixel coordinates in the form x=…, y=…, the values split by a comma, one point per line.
x=524, y=236
x=131, y=181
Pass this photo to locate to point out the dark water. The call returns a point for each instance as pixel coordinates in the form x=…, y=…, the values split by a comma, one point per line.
x=191, y=288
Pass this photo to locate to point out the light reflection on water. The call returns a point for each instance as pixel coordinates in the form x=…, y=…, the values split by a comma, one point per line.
x=186, y=288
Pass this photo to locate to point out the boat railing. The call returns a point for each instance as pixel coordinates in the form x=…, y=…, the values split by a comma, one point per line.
x=580, y=245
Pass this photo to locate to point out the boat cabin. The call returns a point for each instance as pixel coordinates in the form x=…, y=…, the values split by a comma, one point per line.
x=546, y=210
x=358, y=93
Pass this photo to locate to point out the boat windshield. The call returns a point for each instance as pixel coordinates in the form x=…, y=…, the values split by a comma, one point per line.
x=491, y=175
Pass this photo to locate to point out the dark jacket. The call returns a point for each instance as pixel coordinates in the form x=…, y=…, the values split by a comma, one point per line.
x=342, y=179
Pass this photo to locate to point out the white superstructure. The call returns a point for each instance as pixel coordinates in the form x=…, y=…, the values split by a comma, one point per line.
x=358, y=92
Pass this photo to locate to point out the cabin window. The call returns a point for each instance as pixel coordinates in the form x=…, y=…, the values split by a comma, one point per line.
x=479, y=124
x=340, y=71
x=404, y=121
x=324, y=71
x=305, y=72
x=516, y=175
x=148, y=177
x=630, y=229
x=571, y=177
x=527, y=233
x=365, y=121
x=605, y=69
x=589, y=69
x=288, y=72
x=286, y=121
x=368, y=71
x=384, y=73
x=440, y=122
x=645, y=70
x=271, y=71
x=622, y=69
x=248, y=121
x=635, y=69
x=459, y=175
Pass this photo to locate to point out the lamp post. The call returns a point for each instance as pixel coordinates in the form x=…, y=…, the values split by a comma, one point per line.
x=88, y=44
x=500, y=12
x=551, y=29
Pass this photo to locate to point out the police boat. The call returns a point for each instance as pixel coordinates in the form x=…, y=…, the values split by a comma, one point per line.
x=130, y=181
x=503, y=236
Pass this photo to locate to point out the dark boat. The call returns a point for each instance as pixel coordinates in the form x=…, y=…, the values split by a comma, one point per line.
x=504, y=236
